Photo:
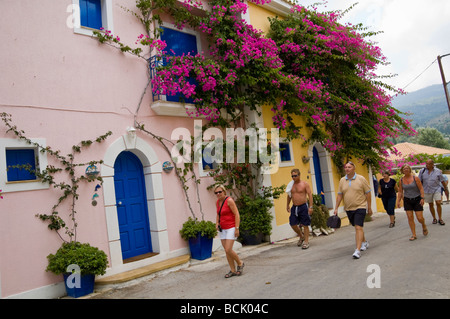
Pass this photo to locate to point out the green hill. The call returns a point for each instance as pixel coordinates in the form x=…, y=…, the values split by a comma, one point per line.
x=427, y=108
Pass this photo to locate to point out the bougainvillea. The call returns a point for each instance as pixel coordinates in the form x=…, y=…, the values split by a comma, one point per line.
x=353, y=115
x=308, y=65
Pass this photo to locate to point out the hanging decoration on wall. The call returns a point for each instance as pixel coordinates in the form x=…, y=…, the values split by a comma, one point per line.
x=94, y=202
x=167, y=166
x=92, y=171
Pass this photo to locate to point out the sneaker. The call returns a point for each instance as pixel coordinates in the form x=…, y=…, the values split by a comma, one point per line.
x=364, y=245
x=356, y=254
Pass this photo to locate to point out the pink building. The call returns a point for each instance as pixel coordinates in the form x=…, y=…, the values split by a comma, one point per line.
x=62, y=86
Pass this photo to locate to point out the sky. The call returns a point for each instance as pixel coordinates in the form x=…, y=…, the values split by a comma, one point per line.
x=415, y=32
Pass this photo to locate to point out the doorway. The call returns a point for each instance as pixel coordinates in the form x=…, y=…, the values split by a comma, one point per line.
x=132, y=208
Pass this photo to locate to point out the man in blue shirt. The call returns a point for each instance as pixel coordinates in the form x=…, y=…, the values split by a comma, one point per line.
x=431, y=178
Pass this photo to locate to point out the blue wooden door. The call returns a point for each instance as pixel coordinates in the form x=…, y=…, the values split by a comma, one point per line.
x=132, y=208
x=318, y=174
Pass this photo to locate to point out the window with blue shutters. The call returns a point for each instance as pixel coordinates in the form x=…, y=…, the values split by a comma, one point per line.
x=179, y=43
x=91, y=13
x=285, y=152
x=16, y=160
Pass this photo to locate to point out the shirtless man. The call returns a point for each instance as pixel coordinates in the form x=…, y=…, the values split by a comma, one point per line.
x=298, y=191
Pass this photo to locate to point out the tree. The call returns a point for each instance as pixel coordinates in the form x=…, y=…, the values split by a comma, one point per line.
x=431, y=137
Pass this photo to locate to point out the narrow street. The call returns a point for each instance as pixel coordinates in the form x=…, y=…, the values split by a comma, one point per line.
x=392, y=268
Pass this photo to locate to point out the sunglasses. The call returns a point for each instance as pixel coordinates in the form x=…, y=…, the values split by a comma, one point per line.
x=293, y=176
x=218, y=192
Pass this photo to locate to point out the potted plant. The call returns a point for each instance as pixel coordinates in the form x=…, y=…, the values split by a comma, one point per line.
x=79, y=263
x=256, y=219
x=200, y=236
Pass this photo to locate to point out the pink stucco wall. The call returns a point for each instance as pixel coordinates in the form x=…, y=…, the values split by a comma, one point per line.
x=66, y=87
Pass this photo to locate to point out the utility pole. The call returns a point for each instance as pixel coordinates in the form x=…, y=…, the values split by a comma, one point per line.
x=443, y=79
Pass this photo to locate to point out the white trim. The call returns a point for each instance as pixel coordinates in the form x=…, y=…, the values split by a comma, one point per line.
x=279, y=7
x=168, y=108
x=41, y=165
x=155, y=201
x=327, y=174
x=107, y=18
x=291, y=152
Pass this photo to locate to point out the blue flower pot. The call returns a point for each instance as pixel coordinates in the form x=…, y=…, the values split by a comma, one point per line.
x=86, y=285
x=201, y=247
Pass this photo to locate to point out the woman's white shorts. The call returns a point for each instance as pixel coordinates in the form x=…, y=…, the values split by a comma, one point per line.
x=227, y=233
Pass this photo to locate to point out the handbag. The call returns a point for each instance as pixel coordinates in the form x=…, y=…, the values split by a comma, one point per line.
x=334, y=222
x=220, y=228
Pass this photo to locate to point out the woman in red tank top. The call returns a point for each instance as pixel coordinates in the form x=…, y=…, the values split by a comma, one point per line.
x=227, y=223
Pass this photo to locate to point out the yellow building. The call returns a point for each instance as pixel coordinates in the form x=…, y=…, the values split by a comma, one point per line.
x=313, y=161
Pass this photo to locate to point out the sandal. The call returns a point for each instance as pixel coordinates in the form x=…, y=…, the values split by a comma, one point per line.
x=412, y=238
x=305, y=246
x=391, y=225
x=435, y=221
x=425, y=232
x=441, y=222
x=240, y=269
x=300, y=241
x=231, y=274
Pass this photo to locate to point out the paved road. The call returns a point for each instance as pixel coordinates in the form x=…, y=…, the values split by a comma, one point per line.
x=393, y=266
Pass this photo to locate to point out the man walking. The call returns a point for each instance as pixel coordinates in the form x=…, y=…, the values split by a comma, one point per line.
x=431, y=178
x=355, y=191
x=299, y=192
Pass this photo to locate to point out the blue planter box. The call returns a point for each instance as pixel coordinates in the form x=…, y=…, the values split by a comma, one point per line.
x=201, y=247
x=86, y=286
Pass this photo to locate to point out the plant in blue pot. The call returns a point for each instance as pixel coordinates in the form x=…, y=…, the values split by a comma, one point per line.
x=200, y=235
x=79, y=263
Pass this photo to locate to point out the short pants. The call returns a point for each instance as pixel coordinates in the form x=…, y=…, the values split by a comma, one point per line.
x=300, y=216
x=432, y=197
x=227, y=233
x=412, y=204
x=356, y=217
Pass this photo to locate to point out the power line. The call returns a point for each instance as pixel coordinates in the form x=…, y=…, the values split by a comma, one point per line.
x=420, y=74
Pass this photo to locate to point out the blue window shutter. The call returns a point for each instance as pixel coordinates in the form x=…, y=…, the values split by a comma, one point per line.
x=285, y=152
x=20, y=157
x=91, y=13
x=179, y=43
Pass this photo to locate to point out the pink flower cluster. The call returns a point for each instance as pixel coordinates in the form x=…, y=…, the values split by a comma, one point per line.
x=299, y=69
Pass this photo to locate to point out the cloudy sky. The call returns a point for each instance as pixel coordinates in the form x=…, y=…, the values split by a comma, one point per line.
x=415, y=33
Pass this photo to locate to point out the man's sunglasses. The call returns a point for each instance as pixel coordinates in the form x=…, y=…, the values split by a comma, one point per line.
x=293, y=176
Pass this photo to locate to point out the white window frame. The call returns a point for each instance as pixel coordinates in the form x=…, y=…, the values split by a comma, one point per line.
x=107, y=18
x=27, y=185
x=291, y=151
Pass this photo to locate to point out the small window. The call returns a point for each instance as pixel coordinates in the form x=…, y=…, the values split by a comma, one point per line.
x=208, y=162
x=20, y=157
x=91, y=13
x=285, y=152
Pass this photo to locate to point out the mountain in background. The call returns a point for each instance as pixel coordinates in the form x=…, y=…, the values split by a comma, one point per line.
x=428, y=108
